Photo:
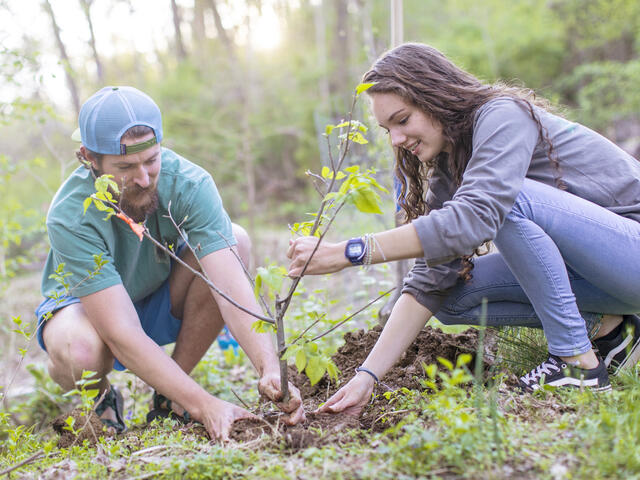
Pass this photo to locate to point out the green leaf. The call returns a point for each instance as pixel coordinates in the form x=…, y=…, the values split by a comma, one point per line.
x=301, y=360
x=463, y=359
x=328, y=129
x=430, y=370
x=447, y=363
x=332, y=370
x=357, y=137
x=315, y=369
x=326, y=172
x=86, y=203
x=365, y=199
x=363, y=87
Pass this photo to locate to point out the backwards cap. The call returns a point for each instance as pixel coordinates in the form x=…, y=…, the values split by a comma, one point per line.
x=109, y=113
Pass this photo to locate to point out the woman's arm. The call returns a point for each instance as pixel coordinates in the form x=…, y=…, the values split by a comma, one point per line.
x=407, y=319
x=395, y=244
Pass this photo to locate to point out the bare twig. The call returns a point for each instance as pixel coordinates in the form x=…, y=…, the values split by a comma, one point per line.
x=240, y=399
x=32, y=458
x=264, y=303
x=352, y=315
x=201, y=276
x=315, y=322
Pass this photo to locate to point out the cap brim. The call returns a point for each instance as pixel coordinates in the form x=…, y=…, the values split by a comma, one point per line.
x=76, y=136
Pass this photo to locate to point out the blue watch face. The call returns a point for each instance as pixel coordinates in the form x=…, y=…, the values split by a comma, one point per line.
x=354, y=250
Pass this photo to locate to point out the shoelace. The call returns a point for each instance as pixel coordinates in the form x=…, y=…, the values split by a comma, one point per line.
x=541, y=369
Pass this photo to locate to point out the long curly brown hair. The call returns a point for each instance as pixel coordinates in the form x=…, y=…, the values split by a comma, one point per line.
x=422, y=76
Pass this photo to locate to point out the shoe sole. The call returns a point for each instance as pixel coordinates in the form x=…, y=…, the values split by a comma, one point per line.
x=617, y=350
x=631, y=359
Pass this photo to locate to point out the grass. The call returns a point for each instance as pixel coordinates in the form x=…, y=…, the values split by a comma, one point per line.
x=452, y=431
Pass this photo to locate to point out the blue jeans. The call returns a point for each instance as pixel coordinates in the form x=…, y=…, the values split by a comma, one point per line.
x=562, y=262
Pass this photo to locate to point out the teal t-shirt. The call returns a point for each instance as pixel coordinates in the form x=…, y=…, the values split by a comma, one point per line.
x=139, y=266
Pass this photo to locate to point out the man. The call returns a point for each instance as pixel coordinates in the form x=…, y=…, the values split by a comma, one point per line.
x=142, y=299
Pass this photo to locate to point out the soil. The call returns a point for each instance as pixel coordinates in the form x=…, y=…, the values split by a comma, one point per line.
x=89, y=429
x=323, y=428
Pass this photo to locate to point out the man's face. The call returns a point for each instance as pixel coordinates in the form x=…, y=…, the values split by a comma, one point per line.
x=137, y=177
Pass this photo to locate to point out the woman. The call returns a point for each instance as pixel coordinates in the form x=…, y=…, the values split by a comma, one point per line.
x=481, y=163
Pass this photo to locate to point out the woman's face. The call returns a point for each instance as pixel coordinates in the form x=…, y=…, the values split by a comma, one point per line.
x=409, y=127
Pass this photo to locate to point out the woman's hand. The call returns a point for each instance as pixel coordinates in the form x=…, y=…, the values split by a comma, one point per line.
x=269, y=386
x=351, y=398
x=328, y=258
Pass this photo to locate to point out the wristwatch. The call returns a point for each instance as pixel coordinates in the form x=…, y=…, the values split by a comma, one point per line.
x=355, y=251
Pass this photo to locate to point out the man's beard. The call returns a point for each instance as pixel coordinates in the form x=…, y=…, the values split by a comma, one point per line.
x=139, y=202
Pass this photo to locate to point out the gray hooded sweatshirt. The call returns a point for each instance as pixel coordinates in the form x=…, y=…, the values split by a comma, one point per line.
x=506, y=148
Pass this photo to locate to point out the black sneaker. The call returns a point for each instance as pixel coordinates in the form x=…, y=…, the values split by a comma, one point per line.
x=557, y=373
x=621, y=352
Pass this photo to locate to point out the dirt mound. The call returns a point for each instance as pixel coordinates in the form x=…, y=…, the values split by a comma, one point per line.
x=317, y=430
x=430, y=344
x=323, y=428
x=85, y=428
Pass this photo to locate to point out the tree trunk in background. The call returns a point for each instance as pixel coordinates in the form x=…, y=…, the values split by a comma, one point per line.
x=86, y=8
x=244, y=80
x=180, y=51
x=401, y=267
x=198, y=33
x=321, y=47
x=69, y=73
x=341, y=51
x=367, y=30
x=222, y=33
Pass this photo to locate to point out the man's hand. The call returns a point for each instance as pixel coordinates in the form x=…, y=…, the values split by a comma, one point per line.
x=219, y=417
x=269, y=386
x=351, y=398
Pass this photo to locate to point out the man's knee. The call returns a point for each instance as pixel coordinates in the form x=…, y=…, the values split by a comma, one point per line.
x=73, y=344
x=244, y=243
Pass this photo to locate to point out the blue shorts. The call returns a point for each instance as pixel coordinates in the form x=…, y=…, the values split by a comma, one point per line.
x=154, y=312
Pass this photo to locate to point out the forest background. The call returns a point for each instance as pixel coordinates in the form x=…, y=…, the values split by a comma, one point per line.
x=246, y=88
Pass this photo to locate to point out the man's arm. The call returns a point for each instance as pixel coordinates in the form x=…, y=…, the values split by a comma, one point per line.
x=113, y=315
x=225, y=272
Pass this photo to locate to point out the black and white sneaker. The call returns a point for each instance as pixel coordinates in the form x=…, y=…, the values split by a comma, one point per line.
x=620, y=349
x=557, y=373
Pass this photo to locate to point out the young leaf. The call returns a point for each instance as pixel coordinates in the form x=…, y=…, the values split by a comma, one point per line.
x=315, y=369
x=363, y=87
x=365, y=199
x=301, y=360
x=446, y=363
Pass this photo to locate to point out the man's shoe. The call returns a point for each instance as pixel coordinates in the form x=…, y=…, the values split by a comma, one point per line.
x=621, y=352
x=113, y=400
x=162, y=409
x=557, y=373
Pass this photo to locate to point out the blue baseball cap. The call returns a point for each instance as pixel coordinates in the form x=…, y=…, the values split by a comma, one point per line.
x=109, y=113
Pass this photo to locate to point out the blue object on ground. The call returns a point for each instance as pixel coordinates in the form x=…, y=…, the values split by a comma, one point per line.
x=226, y=340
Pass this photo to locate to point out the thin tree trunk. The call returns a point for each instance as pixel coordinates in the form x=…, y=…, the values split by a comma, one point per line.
x=69, y=73
x=367, y=30
x=401, y=267
x=86, y=8
x=243, y=81
x=197, y=25
x=182, y=54
x=341, y=52
x=321, y=47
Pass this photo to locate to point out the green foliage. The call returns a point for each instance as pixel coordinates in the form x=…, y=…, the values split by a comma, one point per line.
x=104, y=186
x=310, y=359
x=269, y=280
